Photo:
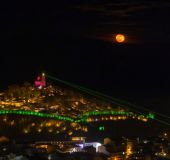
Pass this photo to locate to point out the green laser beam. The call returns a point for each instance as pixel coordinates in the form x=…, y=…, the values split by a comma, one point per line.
x=109, y=98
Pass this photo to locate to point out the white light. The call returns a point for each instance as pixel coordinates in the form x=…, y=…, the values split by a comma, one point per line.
x=49, y=157
x=98, y=144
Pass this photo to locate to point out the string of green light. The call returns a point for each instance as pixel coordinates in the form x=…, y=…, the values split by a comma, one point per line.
x=85, y=116
x=38, y=114
x=58, y=117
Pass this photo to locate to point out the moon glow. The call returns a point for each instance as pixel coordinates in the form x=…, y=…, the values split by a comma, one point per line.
x=120, y=38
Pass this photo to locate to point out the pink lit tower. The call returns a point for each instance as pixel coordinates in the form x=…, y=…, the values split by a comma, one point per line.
x=41, y=81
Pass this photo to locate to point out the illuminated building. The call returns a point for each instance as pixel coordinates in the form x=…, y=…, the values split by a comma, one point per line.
x=41, y=81
x=129, y=149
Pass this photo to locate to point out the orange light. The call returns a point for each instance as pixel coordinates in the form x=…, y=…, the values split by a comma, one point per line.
x=120, y=38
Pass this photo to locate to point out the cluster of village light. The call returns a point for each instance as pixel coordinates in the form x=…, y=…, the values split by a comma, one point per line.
x=31, y=125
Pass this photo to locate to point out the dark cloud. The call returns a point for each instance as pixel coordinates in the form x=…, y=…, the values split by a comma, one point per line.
x=130, y=17
x=122, y=8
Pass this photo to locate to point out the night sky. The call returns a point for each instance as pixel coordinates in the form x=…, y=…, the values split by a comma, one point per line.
x=74, y=41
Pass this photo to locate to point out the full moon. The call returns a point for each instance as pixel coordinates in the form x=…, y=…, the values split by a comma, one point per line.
x=120, y=38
